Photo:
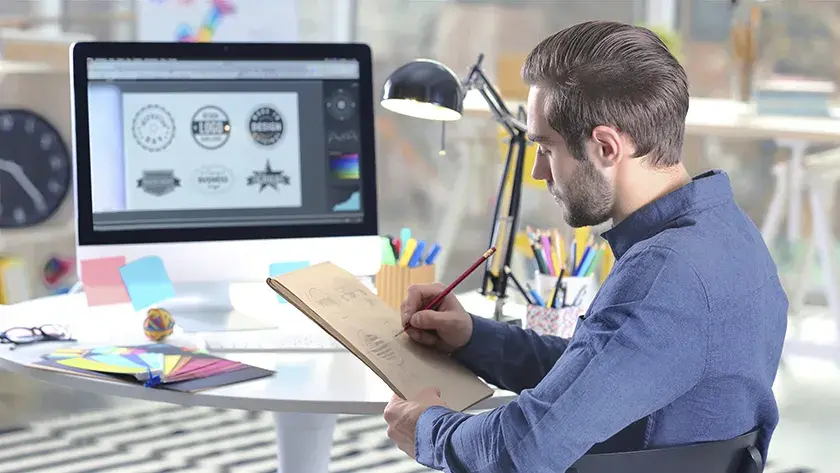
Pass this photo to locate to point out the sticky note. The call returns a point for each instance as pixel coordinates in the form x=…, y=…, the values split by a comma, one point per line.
x=146, y=281
x=276, y=269
x=101, y=281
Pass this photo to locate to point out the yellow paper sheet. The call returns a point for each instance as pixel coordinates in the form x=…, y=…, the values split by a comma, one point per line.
x=90, y=365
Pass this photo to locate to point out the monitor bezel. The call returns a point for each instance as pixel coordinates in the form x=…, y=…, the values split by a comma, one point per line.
x=81, y=52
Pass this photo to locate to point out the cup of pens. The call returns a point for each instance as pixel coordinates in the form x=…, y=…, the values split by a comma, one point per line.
x=405, y=261
x=573, y=291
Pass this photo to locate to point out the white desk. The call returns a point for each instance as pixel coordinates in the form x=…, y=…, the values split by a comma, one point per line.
x=306, y=393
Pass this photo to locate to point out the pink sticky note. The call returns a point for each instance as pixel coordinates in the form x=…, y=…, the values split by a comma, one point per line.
x=101, y=281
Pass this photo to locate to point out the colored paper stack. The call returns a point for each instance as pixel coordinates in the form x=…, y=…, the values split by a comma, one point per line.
x=153, y=365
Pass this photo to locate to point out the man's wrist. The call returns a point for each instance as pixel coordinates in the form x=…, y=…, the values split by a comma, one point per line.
x=425, y=434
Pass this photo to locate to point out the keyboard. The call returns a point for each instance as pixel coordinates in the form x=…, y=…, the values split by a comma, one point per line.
x=269, y=341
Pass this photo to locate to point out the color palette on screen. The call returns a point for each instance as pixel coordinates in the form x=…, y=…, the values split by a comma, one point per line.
x=345, y=166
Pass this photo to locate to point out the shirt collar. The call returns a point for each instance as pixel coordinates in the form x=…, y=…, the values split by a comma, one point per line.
x=706, y=189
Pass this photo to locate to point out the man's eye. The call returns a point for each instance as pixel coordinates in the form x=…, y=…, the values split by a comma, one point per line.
x=543, y=151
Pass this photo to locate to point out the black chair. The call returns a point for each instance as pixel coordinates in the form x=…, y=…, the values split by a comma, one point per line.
x=738, y=455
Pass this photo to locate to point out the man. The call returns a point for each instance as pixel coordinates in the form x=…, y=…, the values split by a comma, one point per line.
x=683, y=340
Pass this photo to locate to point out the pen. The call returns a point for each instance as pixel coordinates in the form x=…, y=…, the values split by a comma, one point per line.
x=557, y=289
x=521, y=289
x=535, y=295
x=579, y=297
x=434, y=302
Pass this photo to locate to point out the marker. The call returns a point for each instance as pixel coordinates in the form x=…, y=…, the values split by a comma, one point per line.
x=405, y=235
x=433, y=254
x=387, y=252
x=407, y=252
x=417, y=255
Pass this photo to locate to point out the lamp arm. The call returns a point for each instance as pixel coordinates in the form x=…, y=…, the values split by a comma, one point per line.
x=479, y=81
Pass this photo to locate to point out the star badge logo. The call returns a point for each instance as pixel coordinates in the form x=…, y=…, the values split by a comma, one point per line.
x=268, y=178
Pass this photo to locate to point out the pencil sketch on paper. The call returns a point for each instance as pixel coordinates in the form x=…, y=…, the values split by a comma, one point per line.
x=381, y=349
x=354, y=295
x=321, y=298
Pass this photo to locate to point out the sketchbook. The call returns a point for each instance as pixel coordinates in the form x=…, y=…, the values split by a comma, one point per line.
x=352, y=314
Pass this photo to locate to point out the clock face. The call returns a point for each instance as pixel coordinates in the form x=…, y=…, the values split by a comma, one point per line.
x=34, y=169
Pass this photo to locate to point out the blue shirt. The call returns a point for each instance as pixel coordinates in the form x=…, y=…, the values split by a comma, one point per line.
x=686, y=332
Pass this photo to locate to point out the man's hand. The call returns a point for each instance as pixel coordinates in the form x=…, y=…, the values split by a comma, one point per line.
x=447, y=328
x=402, y=416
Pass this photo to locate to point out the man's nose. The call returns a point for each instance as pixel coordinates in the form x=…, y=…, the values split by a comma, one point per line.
x=541, y=170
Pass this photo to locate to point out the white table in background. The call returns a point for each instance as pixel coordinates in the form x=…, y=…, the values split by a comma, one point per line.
x=307, y=392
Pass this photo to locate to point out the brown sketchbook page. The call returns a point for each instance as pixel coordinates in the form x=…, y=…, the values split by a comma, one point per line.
x=346, y=309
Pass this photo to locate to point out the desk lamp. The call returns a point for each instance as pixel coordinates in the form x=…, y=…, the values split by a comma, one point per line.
x=430, y=90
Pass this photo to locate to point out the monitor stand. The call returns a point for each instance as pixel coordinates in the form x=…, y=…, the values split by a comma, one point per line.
x=206, y=307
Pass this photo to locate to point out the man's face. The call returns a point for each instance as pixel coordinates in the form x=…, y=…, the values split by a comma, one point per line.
x=577, y=186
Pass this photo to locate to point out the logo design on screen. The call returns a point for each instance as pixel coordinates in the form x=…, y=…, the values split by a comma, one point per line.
x=343, y=137
x=213, y=179
x=158, y=182
x=266, y=126
x=210, y=127
x=269, y=178
x=153, y=128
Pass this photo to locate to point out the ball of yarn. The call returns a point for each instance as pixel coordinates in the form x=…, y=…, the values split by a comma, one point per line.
x=158, y=324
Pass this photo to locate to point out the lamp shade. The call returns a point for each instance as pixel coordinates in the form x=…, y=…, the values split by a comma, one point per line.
x=424, y=89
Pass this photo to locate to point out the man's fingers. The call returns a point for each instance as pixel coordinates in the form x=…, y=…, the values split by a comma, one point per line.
x=421, y=337
x=418, y=295
x=429, y=320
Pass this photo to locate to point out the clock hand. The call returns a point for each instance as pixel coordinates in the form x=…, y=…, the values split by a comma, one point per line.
x=17, y=172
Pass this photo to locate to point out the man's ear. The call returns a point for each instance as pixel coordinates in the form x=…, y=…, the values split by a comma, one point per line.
x=607, y=146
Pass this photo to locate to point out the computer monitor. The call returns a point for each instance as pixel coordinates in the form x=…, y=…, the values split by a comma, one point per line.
x=223, y=159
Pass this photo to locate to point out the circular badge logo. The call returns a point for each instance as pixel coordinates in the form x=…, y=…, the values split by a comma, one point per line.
x=153, y=128
x=266, y=125
x=210, y=127
x=213, y=179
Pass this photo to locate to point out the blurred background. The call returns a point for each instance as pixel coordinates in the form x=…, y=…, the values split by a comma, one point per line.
x=764, y=74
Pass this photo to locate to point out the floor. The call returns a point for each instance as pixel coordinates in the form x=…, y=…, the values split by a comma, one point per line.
x=71, y=433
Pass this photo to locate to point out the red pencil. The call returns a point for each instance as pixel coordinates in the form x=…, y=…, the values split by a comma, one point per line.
x=434, y=302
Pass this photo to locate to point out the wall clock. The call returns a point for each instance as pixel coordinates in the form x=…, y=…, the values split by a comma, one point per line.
x=34, y=169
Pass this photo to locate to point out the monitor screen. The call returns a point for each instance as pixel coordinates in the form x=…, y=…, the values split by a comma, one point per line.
x=180, y=144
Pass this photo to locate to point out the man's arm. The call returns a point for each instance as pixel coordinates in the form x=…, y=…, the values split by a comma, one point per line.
x=508, y=356
x=625, y=362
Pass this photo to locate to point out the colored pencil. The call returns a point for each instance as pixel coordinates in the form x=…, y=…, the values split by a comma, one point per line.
x=434, y=302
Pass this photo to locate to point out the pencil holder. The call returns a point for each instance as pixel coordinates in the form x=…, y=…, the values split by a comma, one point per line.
x=548, y=321
x=544, y=285
x=392, y=281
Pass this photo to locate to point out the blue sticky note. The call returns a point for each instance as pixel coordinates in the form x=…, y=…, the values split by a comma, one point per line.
x=276, y=269
x=146, y=282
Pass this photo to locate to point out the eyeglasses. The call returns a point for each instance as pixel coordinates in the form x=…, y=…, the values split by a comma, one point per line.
x=45, y=333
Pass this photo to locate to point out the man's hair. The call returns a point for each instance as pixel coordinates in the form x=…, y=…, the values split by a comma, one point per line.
x=613, y=74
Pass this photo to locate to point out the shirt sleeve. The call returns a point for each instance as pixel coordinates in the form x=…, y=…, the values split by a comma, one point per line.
x=624, y=362
x=507, y=356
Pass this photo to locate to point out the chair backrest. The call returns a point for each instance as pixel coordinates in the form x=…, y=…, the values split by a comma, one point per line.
x=737, y=455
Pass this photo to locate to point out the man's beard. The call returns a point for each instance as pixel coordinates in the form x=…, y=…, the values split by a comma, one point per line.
x=588, y=200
